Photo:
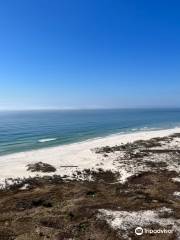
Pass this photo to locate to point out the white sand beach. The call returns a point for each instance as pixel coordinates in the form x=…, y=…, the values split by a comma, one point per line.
x=77, y=156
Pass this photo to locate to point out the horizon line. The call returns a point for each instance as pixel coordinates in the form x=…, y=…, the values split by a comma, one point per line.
x=84, y=109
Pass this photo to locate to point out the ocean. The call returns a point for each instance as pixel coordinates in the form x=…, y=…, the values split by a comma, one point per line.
x=28, y=130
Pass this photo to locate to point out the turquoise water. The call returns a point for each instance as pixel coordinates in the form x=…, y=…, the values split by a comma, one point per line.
x=26, y=130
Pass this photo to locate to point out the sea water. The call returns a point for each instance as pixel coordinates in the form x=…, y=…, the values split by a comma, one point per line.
x=27, y=130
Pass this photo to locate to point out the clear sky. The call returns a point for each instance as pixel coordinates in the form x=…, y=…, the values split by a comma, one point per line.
x=89, y=53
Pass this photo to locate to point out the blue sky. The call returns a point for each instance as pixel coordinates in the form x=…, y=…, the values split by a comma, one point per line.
x=89, y=54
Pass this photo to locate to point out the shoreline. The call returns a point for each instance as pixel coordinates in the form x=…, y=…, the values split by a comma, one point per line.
x=76, y=154
x=100, y=139
x=105, y=135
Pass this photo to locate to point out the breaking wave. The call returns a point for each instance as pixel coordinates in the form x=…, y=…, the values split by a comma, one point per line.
x=46, y=140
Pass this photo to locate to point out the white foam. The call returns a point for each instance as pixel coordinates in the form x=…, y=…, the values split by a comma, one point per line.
x=46, y=140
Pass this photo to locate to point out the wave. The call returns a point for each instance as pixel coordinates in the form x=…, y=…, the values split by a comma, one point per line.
x=46, y=140
x=145, y=129
x=152, y=128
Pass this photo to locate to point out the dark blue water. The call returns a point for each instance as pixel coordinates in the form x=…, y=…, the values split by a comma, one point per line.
x=20, y=131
